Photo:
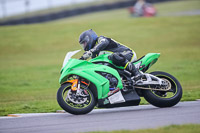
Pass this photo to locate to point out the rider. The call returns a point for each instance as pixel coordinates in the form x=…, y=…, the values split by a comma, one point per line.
x=121, y=55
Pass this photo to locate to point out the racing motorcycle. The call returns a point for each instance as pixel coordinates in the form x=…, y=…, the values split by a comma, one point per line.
x=98, y=82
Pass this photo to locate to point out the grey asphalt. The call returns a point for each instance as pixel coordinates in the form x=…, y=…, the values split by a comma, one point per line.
x=127, y=118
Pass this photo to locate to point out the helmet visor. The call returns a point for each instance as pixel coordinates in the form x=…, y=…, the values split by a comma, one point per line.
x=83, y=44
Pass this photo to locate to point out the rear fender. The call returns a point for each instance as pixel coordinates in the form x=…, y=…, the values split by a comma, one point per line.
x=147, y=61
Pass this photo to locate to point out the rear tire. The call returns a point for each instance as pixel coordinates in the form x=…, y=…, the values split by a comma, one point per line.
x=71, y=107
x=164, y=99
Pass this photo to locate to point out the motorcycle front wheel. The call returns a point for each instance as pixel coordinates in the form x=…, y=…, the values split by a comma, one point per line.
x=164, y=98
x=71, y=103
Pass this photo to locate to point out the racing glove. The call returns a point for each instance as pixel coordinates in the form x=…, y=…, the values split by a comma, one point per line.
x=86, y=55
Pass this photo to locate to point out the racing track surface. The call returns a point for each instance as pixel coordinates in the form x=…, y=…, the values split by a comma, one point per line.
x=128, y=118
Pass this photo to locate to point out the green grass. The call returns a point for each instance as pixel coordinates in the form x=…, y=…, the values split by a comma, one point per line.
x=189, y=128
x=31, y=55
x=177, y=6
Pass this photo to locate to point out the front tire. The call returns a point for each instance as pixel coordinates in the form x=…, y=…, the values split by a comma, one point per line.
x=162, y=98
x=80, y=105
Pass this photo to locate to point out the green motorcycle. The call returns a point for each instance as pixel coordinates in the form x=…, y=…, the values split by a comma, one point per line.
x=98, y=82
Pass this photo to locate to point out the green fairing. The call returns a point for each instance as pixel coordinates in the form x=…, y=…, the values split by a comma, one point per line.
x=104, y=58
x=87, y=70
x=147, y=61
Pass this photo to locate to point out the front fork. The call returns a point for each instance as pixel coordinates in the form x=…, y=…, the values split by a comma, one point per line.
x=76, y=86
x=78, y=91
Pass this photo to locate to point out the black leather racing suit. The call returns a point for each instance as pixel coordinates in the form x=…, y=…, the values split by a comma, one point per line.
x=121, y=54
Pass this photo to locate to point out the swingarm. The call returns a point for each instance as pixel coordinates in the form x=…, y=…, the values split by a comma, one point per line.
x=152, y=82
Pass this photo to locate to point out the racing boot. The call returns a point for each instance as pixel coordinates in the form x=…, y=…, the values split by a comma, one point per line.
x=134, y=71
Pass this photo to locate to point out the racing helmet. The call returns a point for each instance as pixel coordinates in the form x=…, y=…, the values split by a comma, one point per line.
x=88, y=39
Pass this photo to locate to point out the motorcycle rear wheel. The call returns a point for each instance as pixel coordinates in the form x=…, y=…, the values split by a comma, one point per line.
x=65, y=96
x=162, y=98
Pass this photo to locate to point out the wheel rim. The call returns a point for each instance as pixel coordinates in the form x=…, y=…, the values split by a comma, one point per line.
x=166, y=94
x=74, y=101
